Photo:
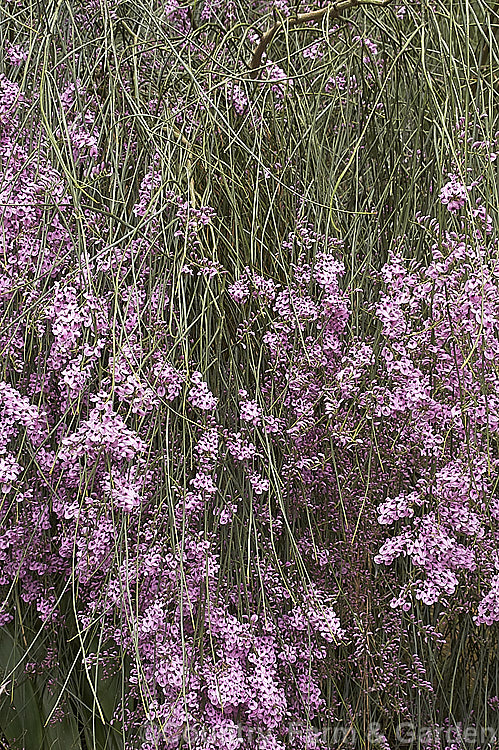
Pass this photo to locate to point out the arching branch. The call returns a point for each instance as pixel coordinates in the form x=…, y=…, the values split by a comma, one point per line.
x=333, y=10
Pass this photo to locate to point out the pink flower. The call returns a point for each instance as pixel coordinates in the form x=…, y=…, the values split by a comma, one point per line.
x=454, y=194
x=251, y=412
x=200, y=395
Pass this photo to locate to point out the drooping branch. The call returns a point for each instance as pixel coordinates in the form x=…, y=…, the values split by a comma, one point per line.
x=333, y=10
